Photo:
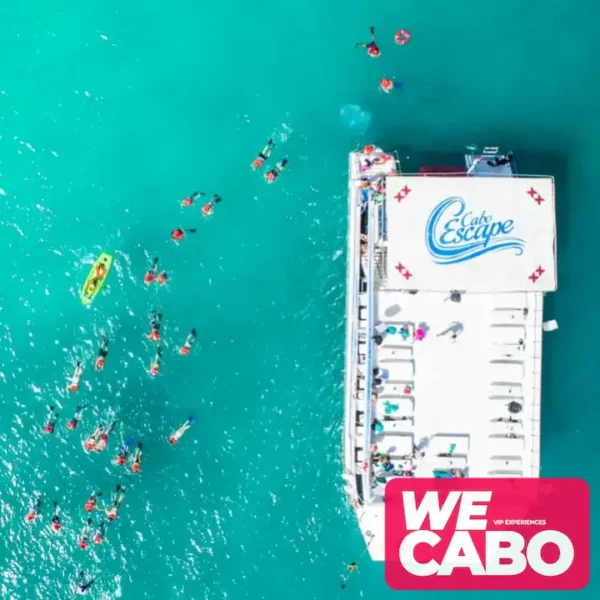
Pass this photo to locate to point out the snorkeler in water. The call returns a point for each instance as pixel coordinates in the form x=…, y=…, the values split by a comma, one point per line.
x=276, y=171
x=117, y=498
x=190, y=199
x=189, y=341
x=263, y=155
x=100, y=533
x=208, y=208
x=176, y=436
x=83, y=584
x=90, y=443
x=50, y=420
x=92, y=503
x=102, y=442
x=83, y=541
x=372, y=49
x=136, y=462
x=34, y=509
x=55, y=524
x=124, y=452
x=155, y=321
x=102, y=353
x=72, y=424
x=155, y=366
x=74, y=385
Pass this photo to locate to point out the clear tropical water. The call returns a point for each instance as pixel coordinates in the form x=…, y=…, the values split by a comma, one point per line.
x=109, y=115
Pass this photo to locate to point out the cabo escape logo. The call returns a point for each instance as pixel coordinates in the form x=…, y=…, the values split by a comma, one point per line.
x=454, y=234
x=487, y=534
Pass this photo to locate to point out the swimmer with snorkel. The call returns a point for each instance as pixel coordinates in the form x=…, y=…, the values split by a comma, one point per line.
x=263, y=155
x=74, y=385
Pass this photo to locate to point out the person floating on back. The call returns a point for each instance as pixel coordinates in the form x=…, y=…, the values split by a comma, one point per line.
x=92, y=503
x=372, y=49
x=208, y=208
x=90, y=443
x=124, y=452
x=276, y=171
x=83, y=541
x=155, y=321
x=102, y=353
x=178, y=234
x=190, y=199
x=117, y=499
x=155, y=366
x=176, y=436
x=263, y=155
x=100, y=533
x=103, y=440
x=74, y=385
x=34, y=509
x=499, y=162
x=189, y=341
x=55, y=524
x=150, y=275
x=136, y=462
x=50, y=420
x=82, y=586
x=72, y=424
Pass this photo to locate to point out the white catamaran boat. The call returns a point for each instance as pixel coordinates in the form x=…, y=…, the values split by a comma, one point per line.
x=447, y=271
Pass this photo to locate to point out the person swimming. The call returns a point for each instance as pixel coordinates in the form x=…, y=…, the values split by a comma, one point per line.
x=82, y=586
x=178, y=234
x=102, y=353
x=155, y=366
x=34, y=509
x=74, y=385
x=55, y=524
x=190, y=199
x=90, y=443
x=117, y=498
x=150, y=275
x=103, y=441
x=124, y=452
x=189, y=341
x=176, y=436
x=262, y=156
x=155, y=321
x=207, y=209
x=92, y=503
x=72, y=424
x=274, y=173
x=83, y=542
x=50, y=420
x=161, y=278
x=100, y=533
x=372, y=49
x=136, y=463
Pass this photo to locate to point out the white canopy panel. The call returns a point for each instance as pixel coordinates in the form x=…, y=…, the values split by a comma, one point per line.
x=478, y=234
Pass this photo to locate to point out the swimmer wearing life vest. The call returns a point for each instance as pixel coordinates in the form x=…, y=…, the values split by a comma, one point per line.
x=150, y=275
x=124, y=452
x=100, y=533
x=136, y=463
x=72, y=424
x=82, y=587
x=34, y=510
x=83, y=541
x=263, y=155
x=161, y=278
x=155, y=320
x=372, y=49
x=117, y=499
x=274, y=173
x=178, y=234
x=190, y=199
x=91, y=503
x=386, y=85
x=55, y=525
x=102, y=354
x=90, y=443
x=155, y=366
x=176, y=436
x=208, y=208
x=74, y=385
x=50, y=421
x=189, y=341
x=102, y=442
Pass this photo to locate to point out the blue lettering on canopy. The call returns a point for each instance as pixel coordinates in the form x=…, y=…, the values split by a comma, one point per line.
x=454, y=234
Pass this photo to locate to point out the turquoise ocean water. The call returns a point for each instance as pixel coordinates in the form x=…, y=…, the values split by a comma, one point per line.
x=110, y=114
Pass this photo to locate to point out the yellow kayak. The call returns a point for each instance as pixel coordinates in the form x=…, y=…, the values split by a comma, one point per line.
x=95, y=280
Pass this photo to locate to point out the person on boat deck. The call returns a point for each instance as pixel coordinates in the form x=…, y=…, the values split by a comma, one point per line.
x=372, y=49
x=55, y=524
x=100, y=533
x=136, y=464
x=117, y=498
x=83, y=542
x=161, y=278
x=190, y=199
x=175, y=437
x=263, y=155
x=155, y=320
x=91, y=442
x=208, y=208
x=102, y=354
x=150, y=275
x=51, y=420
x=74, y=385
x=91, y=503
x=178, y=234
x=499, y=162
x=72, y=424
x=103, y=441
x=189, y=341
x=155, y=366
x=82, y=586
x=276, y=171
x=34, y=509
x=100, y=271
x=91, y=286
